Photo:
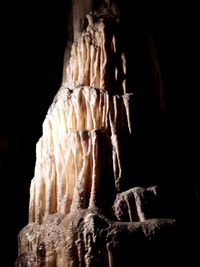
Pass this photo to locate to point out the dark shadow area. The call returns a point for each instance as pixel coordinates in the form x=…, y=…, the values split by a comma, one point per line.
x=32, y=49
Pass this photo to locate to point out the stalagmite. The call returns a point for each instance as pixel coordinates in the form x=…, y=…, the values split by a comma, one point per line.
x=77, y=206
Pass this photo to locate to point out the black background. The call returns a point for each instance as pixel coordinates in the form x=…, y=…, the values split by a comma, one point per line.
x=33, y=39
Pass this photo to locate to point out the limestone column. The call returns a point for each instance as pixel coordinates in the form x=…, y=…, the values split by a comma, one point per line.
x=81, y=207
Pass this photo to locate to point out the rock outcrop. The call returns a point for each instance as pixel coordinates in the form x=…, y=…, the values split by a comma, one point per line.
x=79, y=213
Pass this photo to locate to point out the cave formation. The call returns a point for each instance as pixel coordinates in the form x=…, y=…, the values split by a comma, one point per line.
x=96, y=196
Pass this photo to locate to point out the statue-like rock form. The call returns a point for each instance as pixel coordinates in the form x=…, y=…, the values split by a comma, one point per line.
x=135, y=204
x=77, y=211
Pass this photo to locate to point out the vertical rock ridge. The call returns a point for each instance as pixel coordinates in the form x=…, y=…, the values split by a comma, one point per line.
x=77, y=210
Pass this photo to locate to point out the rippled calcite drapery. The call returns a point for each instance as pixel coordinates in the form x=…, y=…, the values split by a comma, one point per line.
x=79, y=168
x=84, y=119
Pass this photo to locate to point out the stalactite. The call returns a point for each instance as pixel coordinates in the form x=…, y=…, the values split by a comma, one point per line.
x=79, y=167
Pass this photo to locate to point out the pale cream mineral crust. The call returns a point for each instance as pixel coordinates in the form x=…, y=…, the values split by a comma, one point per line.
x=78, y=160
x=83, y=118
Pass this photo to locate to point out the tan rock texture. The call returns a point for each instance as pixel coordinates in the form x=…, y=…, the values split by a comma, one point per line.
x=79, y=212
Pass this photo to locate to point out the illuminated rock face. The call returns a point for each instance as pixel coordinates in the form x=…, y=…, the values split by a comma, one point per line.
x=77, y=207
x=81, y=127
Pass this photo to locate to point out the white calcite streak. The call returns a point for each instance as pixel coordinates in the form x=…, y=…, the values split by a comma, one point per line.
x=66, y=153
x=89, y=63
x=81, y=163
x=83, y=115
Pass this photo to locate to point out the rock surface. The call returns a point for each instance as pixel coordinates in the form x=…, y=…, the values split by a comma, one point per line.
x=79, y=212
x=86, y=238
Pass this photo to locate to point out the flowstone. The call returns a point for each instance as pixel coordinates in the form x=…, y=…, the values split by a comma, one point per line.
x=79, y=212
